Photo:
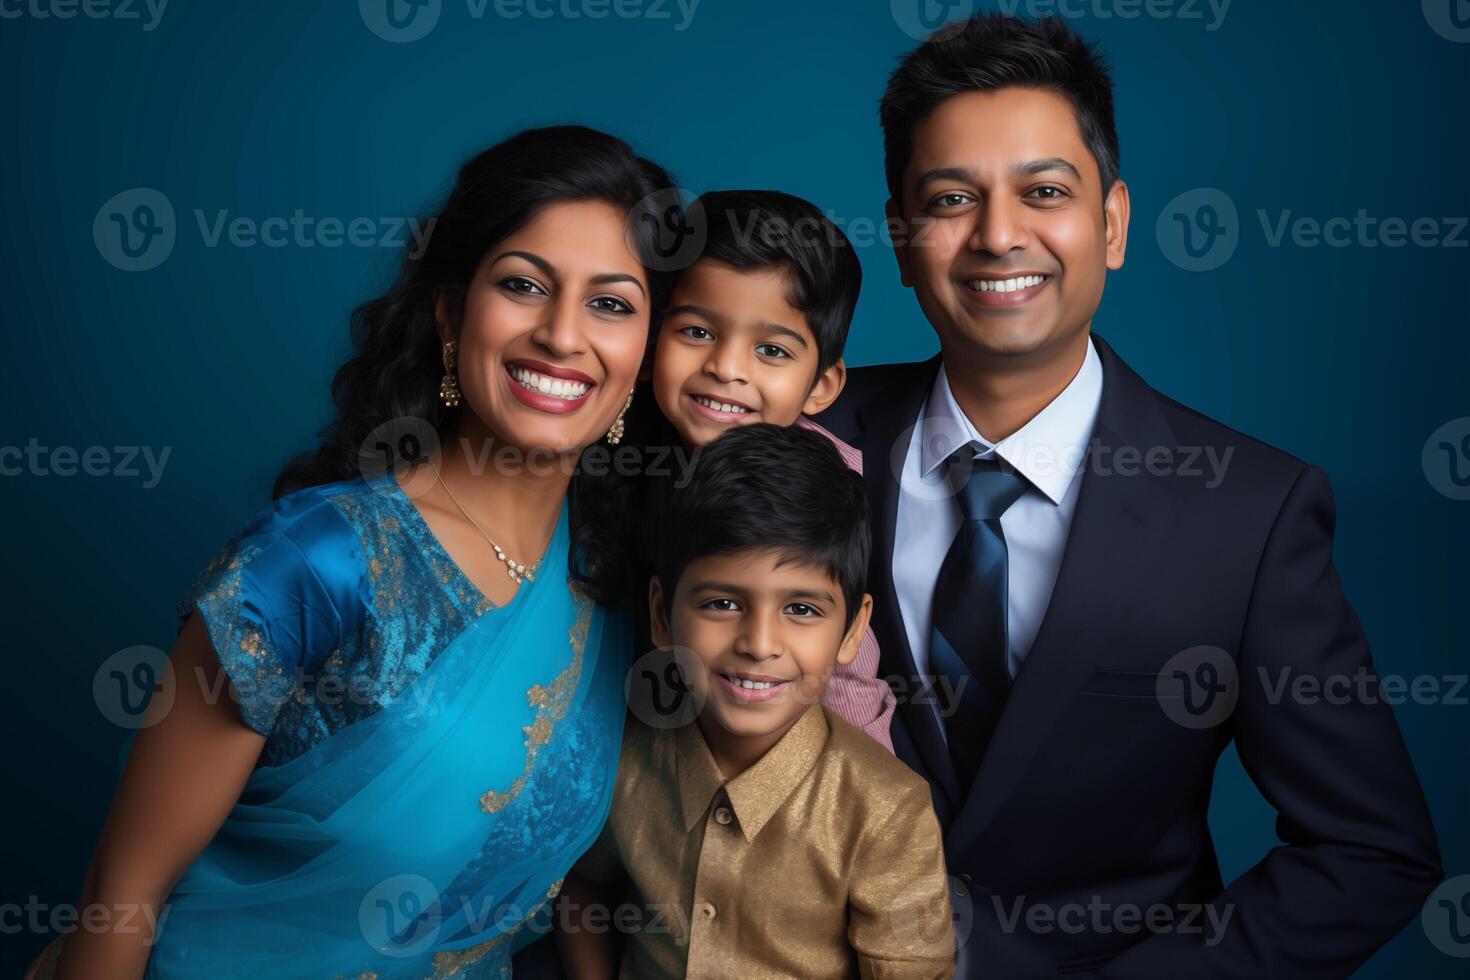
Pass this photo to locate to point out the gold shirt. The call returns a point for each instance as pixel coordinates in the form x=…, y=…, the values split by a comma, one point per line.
x=822, y=860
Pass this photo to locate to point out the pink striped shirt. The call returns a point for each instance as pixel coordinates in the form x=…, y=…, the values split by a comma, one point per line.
x=856, y=693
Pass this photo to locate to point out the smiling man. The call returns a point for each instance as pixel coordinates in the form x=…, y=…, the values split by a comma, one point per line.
x=1075, y=613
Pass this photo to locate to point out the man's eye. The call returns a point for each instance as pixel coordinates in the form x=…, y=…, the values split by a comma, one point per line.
x=520, y=284
x=610, y=304
x=697, y=333
x=951, y=200
x=772, y=350
x=1049, y=193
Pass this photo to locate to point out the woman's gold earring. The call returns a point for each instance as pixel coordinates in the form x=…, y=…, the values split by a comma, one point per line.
x=615, y=434
x=449, y=387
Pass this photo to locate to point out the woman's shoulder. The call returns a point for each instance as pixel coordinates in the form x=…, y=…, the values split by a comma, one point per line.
x=299, y=556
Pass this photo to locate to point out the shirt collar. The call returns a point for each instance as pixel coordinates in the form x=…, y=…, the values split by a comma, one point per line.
x=758, y=792
x=1048, y=451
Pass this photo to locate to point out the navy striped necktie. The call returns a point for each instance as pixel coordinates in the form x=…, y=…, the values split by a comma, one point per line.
x=968, y=645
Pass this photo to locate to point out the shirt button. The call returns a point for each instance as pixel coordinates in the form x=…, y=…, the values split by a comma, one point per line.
x=723, y=816
x=707, y=911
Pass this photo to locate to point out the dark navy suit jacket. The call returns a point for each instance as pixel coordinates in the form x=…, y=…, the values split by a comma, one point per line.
x=1091, y=800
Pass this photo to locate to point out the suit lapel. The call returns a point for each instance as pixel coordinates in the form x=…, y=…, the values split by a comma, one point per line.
x=1120, y=524
x=886, y=421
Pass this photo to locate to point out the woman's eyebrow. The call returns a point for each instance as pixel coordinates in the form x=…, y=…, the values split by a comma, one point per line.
x=607, y=277
x=532, y=258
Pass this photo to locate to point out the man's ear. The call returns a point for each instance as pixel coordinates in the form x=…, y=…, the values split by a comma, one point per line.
x=899, y=233
x=1116, y=211
x=658, y=618
x=849, y=650
x=829, y=385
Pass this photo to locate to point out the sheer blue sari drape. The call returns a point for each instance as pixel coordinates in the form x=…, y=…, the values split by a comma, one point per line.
x=423, y=839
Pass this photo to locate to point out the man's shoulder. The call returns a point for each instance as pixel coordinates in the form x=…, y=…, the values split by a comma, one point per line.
x=1254, y=462
x=866, y=382
x=1251, y=461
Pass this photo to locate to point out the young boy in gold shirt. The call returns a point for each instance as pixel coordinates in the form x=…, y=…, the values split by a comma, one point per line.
x=767, y=837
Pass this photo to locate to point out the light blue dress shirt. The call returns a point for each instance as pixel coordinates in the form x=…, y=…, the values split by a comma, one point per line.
x=1048, y=451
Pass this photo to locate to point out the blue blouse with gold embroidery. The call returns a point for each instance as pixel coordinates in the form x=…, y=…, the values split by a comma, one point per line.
x=326, y=605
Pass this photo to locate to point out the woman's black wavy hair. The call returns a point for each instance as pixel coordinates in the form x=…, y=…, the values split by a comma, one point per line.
x=394, y=372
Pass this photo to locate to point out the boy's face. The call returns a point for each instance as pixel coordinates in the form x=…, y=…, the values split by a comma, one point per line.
x=733, y=350
x=751, y=621
x=1010, y=238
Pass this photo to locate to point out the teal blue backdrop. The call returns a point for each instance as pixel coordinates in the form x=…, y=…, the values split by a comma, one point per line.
x=153, y=382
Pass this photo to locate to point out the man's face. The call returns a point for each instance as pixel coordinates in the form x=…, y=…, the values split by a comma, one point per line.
x=1009, y=240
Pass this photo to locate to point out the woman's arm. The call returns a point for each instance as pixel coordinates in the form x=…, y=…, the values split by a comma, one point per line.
x=584, y=936
x=182, y=777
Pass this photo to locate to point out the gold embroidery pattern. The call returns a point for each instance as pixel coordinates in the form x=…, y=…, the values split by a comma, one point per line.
x=551, y=705
x=450, y=962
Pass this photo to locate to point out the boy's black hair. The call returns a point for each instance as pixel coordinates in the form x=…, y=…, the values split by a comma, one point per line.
x=769, y=229
x=990, y=52
x=761, y=487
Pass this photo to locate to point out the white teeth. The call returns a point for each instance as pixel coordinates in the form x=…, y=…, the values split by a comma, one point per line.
x=555, y=387
x=720, y=406
x=752, y=685
x=1005, y=285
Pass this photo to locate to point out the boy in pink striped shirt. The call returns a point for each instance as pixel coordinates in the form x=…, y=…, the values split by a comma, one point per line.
x=754, y=332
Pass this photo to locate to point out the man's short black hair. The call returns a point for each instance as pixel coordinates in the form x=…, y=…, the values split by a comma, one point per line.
x=990, y=52
x=771, y=230
x=766, y=487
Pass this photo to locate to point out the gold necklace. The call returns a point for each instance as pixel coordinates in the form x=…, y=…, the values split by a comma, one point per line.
x=516, y=570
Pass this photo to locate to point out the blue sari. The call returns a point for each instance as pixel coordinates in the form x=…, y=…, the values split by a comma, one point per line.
x=434, y=763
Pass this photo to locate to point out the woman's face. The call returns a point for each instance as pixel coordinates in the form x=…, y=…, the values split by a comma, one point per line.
x=553, y=329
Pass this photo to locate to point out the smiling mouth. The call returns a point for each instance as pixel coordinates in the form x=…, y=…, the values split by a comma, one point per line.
x=753, y=687
x=716, y=406
x=1013, y=285
x=544, y=384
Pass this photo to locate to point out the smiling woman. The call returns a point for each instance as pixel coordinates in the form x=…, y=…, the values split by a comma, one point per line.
x=470, y=612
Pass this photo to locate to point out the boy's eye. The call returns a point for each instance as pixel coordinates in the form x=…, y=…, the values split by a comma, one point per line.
x=697, y=333
x=802, y=609
x=611, y=304
x=722, y=605
x=520, y=284
x=772, y=350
